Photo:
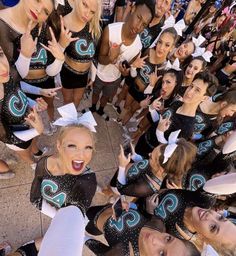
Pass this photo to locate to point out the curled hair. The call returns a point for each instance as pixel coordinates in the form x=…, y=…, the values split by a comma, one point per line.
x=210, y=80
x=180, y=161
x=63, y=131
x=224, y=249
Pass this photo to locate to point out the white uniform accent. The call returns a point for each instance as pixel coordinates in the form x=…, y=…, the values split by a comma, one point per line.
x=110, y=72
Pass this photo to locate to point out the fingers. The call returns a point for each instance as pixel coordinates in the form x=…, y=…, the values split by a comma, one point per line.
x=121, y=150
x=72, y=39
x=45, y=47
x=155, y=70
x=52, y=35
x=143, y=58
x=62, y=24
x=29, y=27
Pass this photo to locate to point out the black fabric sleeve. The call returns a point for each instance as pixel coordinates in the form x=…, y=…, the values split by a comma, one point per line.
x=137, y=188
x=83, y=192
x=35, y=192
x=100, y=249
x=120, y=3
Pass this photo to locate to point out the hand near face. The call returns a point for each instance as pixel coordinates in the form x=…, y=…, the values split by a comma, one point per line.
x=123, y=160
x=152, y=203
x=65, y=36
x=157, y=104
x=35, y=120
x=28, y=45
x=54, y=47
x=144, y=103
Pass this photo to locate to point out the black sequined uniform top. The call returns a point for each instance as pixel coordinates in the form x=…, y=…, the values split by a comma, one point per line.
x=174, y=202
x=120, y=234
x=14, y=107
x=148, y=141
x=149, y=34
x=137, y=181
x=83, y=49
x=62, y=190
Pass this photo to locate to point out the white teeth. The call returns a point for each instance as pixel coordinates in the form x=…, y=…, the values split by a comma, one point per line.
x=78, y=161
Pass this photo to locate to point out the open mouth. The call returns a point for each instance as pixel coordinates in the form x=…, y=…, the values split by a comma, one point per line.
x=77, y=165
x=33, y=15
x=201, y=213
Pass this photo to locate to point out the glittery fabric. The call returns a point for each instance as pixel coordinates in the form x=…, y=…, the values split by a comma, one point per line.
x=119, y=234
x=172, y=206
x=14, y=108
x=137, y=181
x=149, y=35
x=83, y=49
x=62, y=190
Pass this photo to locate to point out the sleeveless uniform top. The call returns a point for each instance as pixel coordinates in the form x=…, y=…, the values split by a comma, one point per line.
x=14, y=107
x=62, y=190
x=110, y=72
x=137, y=181
x=41, y=58
x=172, y=206
x=83, y=49
x=149, y=34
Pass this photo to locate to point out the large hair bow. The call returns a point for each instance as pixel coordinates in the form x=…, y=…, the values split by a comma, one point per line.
x=175, y=65
x=200, y=51
x=198, y=41
x=170, y=23
x=57, y=2
x=70, y=116
x=170, y=148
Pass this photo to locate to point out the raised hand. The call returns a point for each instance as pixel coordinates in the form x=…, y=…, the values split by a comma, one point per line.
x=114, y=52
x=164, y=124
x=35, y=120
x=139, y=62
x=41, y=105
x=153, y=78
x=157, y=104
x=65, y=36
x=54, y=47
x=50, y=92
x=28, y=45
x=146, y=102
x=123, y=160
x=123, y=70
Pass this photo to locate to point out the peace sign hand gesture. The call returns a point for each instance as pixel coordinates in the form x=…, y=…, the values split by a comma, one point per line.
x=139, y=62
x=153, y=78
x=28, y=45
x=65, y=36
x=54, y=47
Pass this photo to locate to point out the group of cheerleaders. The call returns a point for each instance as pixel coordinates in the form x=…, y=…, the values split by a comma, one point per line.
x=177, y=184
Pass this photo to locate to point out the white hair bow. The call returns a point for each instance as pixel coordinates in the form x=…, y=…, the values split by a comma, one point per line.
x=57, y=2
x=170, y=148
x=70, y=116
x=169, y=23
x=198, y=41
x=200, y=51
x=175, y=65
x=208, y=250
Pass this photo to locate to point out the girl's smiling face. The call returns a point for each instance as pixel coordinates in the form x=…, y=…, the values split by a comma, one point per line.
x=75, y=149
